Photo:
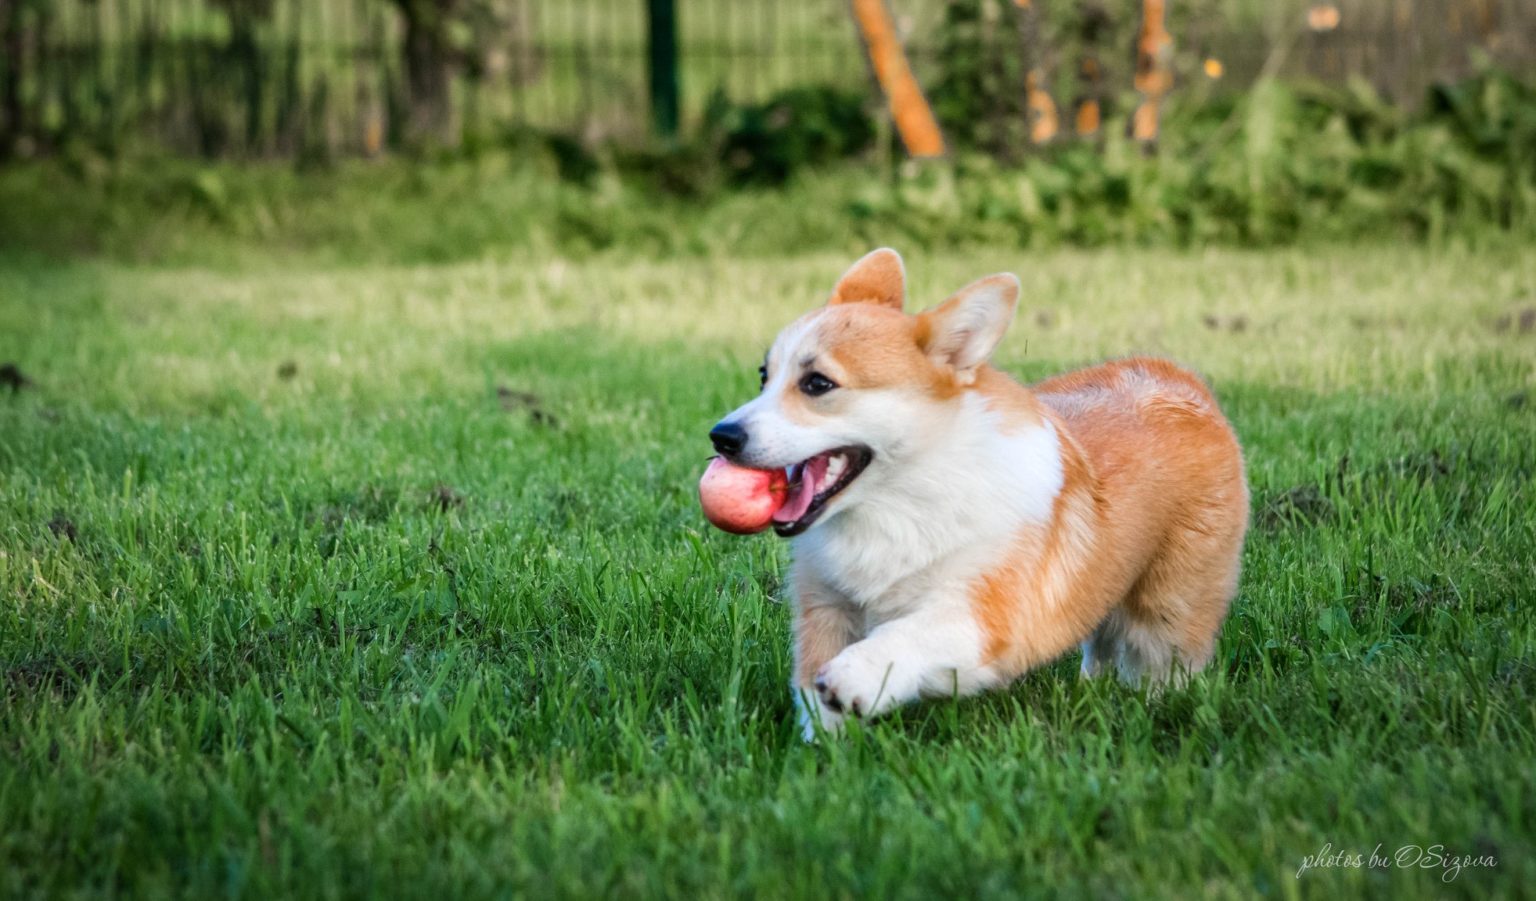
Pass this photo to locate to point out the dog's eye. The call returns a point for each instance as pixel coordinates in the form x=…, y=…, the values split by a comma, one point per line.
x=762, y=377
x=815, y=384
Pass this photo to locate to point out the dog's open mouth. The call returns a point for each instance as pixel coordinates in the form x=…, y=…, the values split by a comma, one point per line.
x=815, y=481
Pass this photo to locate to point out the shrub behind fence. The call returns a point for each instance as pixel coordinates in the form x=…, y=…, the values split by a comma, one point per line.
x=337, y=77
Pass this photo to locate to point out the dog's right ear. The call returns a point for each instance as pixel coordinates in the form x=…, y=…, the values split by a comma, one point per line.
x=877, y=278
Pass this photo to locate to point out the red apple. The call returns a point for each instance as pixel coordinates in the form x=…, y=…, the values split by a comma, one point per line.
x=741, y=500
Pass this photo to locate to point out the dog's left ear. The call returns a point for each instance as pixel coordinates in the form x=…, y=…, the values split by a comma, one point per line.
x=965, y=329
x=878, y=277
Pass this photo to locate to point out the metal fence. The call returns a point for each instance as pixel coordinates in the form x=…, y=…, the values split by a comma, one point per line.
x=288, y=77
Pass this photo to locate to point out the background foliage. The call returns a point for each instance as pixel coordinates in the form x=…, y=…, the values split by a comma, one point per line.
x=1281, y=164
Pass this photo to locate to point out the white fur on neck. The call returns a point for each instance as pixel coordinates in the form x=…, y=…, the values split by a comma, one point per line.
x=938, y=512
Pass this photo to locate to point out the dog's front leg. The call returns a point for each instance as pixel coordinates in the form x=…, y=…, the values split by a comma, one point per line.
x=934, y=651
x=822, y=628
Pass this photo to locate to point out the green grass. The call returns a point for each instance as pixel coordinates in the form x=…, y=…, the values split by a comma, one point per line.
x=376, y=627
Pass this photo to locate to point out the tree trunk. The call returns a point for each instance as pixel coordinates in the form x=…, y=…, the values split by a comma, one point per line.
x=12, y=56
x=1088, y=108
x=1154, y=72
x=430, y=62
x=1039, y=108
x=914, y=119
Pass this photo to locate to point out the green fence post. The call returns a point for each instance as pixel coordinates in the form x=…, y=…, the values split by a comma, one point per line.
x=663, y=65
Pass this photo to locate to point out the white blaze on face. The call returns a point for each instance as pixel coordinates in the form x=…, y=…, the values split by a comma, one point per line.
x=776, y=439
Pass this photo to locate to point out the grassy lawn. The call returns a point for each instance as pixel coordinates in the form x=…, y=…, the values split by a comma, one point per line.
x=334, y=581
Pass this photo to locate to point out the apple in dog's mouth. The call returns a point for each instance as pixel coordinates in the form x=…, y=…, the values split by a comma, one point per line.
x=739, y=499
x=813, y=482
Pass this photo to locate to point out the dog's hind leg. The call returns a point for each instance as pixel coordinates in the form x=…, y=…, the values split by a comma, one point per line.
x=1101, y=651
x=1173, y=614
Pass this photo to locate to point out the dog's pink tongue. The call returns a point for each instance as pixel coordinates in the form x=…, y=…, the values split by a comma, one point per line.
x=803, y=491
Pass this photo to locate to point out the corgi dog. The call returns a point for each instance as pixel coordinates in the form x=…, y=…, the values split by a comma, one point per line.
x=952, y=528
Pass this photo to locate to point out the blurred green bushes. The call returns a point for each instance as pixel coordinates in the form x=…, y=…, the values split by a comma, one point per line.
x=810, y=170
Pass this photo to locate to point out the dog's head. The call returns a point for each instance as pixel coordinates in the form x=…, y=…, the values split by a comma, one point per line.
x=854, y=389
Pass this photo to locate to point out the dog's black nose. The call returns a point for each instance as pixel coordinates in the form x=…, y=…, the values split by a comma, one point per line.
x=729, y=438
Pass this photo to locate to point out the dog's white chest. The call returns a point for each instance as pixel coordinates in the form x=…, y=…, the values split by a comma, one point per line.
x=938, y=523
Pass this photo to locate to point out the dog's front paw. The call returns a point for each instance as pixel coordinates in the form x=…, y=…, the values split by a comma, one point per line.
x=856, y=683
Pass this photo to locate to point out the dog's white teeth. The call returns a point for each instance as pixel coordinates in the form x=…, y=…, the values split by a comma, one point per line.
x=835, y=467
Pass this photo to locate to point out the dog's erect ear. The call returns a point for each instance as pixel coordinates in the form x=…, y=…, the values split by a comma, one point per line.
x=964, y=330
x=878, y=277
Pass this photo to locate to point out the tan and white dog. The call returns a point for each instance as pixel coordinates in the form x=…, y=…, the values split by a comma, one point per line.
x=953, y=529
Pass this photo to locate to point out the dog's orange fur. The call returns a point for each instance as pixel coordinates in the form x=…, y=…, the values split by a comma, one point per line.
x=1130, y=535
x=1129, y=545
x=1147, y=526
x=822, y=627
